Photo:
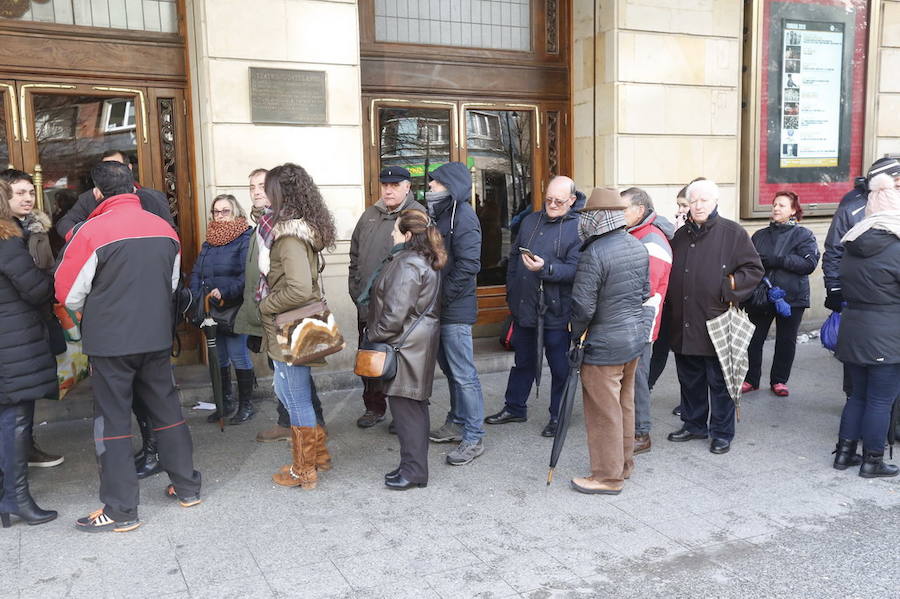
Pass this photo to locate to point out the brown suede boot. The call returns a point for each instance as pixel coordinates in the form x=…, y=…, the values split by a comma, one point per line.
x=302, y=472
x=323, y=458
x=276, y=433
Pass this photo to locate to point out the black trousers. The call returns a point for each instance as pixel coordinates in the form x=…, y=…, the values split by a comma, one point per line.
x=704, y=397
x=411, y=422
x=373, y=398
x=785, y=345
x=661, y=349
x=115, y=381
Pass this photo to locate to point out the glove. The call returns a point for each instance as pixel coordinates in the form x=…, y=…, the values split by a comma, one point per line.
x=254, y=343
x=834, y=300
x=776, y=262
x=765, y=261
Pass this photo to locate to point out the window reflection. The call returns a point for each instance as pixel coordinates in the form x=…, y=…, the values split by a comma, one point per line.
x=410, y=137
x=72, y=133
x=498, y=144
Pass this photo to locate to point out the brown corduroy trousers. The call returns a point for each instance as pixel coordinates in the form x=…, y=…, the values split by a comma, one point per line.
x=608, y=393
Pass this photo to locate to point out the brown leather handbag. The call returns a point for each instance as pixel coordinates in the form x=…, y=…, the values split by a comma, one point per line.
x=308, y=333
x=378, y=361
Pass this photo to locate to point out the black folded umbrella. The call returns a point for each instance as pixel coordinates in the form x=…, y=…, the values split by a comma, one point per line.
x=210, y=330
x=576, y=355
x=541, y=310
x=894, y=424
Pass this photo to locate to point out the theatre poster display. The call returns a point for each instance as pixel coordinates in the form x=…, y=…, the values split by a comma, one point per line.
x=811, y=101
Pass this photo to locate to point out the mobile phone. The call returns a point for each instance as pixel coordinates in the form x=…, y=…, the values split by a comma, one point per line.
x=527, y=252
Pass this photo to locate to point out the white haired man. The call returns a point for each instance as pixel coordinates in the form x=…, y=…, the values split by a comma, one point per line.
x=707, y=252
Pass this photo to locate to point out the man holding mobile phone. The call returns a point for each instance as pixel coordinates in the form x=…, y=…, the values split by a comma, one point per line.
x=545, y=253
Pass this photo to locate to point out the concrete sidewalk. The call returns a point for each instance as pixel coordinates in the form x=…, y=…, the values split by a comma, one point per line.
x=769, y=519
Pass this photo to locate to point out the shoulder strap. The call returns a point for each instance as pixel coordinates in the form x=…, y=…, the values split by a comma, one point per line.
x=437, y=293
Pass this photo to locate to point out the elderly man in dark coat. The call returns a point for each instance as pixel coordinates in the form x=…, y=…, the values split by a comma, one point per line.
x=612, y=282
x=707, y=252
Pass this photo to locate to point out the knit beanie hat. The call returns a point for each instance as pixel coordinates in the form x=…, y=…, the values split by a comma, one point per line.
x=883, y=196
x=888, y=166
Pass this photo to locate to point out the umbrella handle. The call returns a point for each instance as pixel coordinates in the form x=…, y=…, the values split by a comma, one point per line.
x=206, y=301
x=550, y=475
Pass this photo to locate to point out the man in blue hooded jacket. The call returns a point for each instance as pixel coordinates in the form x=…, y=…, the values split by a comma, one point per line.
x=551, y=236
x=449, y=207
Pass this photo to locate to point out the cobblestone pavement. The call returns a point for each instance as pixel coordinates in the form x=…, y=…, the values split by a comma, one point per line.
x=769, y=519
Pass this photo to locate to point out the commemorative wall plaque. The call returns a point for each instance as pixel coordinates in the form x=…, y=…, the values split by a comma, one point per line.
x=288, y=97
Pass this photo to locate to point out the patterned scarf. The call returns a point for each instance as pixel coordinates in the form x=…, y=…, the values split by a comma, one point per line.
x=265, y=232
x=598, y=222
x=257, y=213
x=224, y=232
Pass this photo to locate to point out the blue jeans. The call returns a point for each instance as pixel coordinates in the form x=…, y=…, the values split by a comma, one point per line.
x=457, y=360
x=642, y=392
x=521, y=375
x=293, y=389
x=233, y=350
x=867, y=412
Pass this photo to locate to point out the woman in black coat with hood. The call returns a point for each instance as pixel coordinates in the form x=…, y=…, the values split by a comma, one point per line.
x=27, y=367
x=789, y=253
x=869, y=336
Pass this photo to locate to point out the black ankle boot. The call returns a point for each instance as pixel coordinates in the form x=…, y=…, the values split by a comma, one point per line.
x=873, y=466
x=845, y=455
x=228, y=398
x=16, y=423
x=245, y=410
x=146, y=462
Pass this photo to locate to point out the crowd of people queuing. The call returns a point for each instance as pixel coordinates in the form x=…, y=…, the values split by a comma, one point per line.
x=603, y=271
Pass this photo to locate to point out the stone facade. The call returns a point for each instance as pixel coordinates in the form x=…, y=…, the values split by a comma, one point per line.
x=229, y=36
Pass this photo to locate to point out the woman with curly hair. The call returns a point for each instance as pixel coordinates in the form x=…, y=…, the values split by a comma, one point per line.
x=219, y=272
x=404, y=313
x=301, y=228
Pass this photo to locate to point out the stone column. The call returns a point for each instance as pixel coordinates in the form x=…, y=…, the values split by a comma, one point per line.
x=656, y=95
x=226, y=37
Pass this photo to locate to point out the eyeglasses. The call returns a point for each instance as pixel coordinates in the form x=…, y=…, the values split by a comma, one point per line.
x=555, y=202
x=223, y=212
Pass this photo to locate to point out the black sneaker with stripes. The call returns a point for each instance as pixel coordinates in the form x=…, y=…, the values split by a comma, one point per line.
x=99, y=522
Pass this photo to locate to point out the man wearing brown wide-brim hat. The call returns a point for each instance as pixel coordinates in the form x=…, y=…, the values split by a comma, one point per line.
x=611, y=286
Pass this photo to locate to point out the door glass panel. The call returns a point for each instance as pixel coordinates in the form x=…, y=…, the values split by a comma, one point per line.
x=410, y=137
x=72, y=133
x=498, y=144
x=4, y=143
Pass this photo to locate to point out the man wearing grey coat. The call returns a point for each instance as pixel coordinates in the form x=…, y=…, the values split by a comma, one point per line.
x=370, y=245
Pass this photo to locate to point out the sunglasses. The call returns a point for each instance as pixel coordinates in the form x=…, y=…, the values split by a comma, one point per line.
x=555, y=202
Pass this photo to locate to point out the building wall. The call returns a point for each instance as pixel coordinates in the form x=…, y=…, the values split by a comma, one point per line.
x=226, y=37
x=657, y=84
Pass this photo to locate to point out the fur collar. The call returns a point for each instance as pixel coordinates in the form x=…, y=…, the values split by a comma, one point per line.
x=37, y=222
x=297, y=227
x=9, y=229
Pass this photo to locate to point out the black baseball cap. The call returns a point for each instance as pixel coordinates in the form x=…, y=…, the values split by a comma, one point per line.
x=394, y=174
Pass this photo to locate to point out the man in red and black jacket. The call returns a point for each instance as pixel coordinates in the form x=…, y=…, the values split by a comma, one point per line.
x=120, y=268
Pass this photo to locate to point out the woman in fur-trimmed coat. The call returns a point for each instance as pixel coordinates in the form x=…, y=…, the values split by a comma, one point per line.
x=302, y=228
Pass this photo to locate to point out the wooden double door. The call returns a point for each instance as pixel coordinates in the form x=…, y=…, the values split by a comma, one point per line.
x=58, y=129
x=511, y=149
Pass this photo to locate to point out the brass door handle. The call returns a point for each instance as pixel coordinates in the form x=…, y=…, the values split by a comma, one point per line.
x=38, y=180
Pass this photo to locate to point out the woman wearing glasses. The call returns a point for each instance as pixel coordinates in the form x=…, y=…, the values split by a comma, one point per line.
x=219, y=272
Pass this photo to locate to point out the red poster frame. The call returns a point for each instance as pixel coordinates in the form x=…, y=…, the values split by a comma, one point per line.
x=820, y=197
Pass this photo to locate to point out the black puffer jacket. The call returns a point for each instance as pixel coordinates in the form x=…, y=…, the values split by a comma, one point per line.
x=27, y=368
x=870, y=324
x=611, y=284
x=797, y=257
x=850, y=211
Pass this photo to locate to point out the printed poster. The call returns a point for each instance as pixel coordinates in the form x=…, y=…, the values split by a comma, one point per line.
x=811, y=71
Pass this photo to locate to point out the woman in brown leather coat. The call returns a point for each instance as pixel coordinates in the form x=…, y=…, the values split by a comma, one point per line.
x=402, y=296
